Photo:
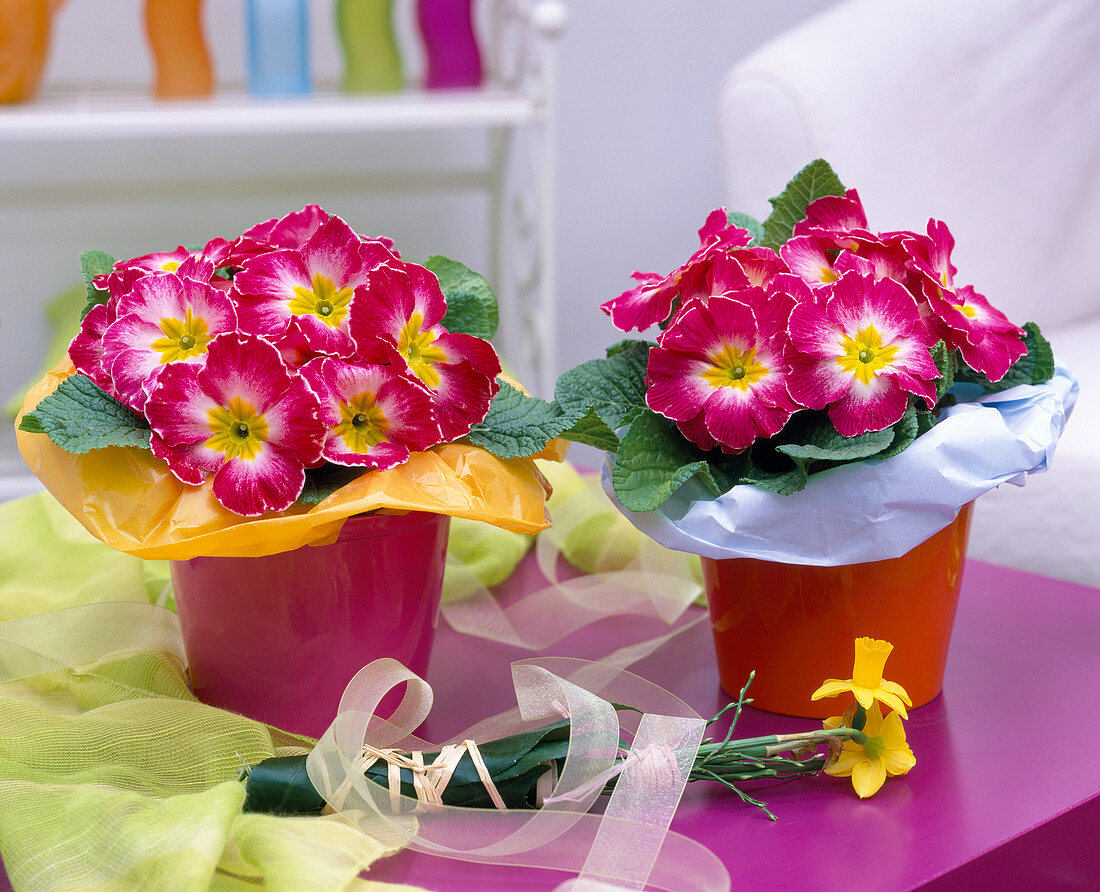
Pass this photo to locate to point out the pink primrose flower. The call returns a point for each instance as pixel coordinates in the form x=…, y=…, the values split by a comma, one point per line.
x=860, y=352
x=86, y=349
x=930, y=257
x=808, y=256
x=884, y=259
x=309, y=290
x=644, y=305
x=653, y=299
x=164, y=319
x=720, y=274
x=198, y=265
x=291, y=231
x=760, y=265
x=242, y=416
x=966, y=321
x=401, y=310
x=720, y=371
x=375, y=414
x=837, y=216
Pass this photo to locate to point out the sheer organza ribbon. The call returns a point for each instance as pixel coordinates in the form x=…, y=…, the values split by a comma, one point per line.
x=628, y=847
x=625, y=573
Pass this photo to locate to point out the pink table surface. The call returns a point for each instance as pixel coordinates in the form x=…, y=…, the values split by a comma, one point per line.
x=1004, y=794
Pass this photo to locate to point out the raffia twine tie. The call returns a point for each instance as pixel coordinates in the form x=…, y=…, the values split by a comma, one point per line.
x=429, y=781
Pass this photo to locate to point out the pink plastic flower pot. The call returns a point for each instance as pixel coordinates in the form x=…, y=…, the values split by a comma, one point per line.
x=278, y=638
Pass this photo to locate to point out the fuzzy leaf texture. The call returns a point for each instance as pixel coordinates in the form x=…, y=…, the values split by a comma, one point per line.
x=92, y=264
x=471, y=304
x=816, y=180
x=614, y=387
x=591, y=430
x=518, y=424
x=947, y=361
x=79, y=417
x=653, y=461
x=831, y=448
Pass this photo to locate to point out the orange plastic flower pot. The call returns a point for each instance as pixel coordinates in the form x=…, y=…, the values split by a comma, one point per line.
x=794, y=624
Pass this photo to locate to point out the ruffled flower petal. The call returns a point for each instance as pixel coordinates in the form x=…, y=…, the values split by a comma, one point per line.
x=242, y=414
x=400, y=313
x=833, y=214
x=166, y=318
x=655, y=297
x=806, y=256
x=860, y=352
x=724, y=357
x=987, y=340
x=310, y=289
x=375, y=414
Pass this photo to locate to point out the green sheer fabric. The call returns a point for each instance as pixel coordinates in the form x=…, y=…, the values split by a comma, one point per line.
x=112, y=775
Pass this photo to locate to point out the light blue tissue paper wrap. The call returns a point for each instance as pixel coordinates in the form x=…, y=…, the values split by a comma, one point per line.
x=874, y=509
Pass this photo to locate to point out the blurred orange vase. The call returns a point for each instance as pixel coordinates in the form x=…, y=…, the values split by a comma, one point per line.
x=177, y=41
x=794, y=624
x=24, y=46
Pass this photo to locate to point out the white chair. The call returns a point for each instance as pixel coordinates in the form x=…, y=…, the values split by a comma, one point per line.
x=984, y=114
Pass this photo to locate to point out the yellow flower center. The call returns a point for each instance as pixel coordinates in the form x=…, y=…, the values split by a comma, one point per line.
x=170, y=266
x=865, y=355
x=732, y=368
x=828, y=275
x=416, y=346
x=362, y=423
x=182, y=338
x=238, y=430
x=967, y=311
x=324, y=300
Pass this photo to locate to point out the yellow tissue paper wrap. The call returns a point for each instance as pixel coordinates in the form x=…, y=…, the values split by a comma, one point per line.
x=129, y=499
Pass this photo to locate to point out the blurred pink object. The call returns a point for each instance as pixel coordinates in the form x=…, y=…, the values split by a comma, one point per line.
x=450, y=43
x=278, y=638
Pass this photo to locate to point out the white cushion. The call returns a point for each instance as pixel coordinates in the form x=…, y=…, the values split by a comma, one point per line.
x=982, y=114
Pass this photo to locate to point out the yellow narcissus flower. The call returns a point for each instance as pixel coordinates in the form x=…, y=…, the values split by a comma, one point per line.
x=882, y=751
x=866, y=682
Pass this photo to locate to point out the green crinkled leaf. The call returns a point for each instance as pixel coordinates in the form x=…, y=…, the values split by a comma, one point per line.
x=947, y=362
x=925, y=422
x=613, y=387
x=816, y=180
x=782, y=483
x=653, y=461
x=92, y=264
x=1040, y=355
x=591, y=430
x=518, y=424
x=754, y=226
x=825, y=449
x=322, y=482
x=471, y=304
x=79, y=417
x=906, y=429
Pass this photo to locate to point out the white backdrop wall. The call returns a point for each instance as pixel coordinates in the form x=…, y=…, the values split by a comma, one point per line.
x=638, y=166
